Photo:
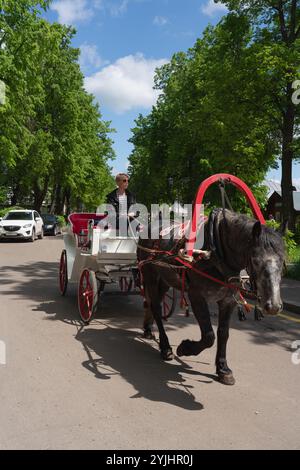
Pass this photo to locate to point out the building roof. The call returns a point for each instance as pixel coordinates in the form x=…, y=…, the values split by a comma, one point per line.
x=296, y=198
x=275, y=187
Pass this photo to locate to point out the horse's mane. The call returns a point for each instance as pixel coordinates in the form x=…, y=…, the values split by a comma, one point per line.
x=269, y=238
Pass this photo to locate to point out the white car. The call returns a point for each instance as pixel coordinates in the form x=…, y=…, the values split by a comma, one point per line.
x=26, y=224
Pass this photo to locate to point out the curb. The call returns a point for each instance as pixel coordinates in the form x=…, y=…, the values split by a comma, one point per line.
x=293, y=308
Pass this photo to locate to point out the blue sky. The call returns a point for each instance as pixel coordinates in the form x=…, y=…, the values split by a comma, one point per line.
x=122, y=42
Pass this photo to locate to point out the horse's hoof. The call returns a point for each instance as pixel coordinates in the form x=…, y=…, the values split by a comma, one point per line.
x=148, y=334
x=226, y=379
x=167, y=355
x=185, y=348
x=180, y=350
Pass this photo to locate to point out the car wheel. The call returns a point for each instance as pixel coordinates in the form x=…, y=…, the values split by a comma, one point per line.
x=41, y=235
x=32, y=238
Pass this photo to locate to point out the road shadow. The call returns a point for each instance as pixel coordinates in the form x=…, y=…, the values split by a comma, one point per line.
x=112, y=351
x=38, y=282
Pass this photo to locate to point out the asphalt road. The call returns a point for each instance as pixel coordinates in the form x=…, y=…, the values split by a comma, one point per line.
x=65, y=386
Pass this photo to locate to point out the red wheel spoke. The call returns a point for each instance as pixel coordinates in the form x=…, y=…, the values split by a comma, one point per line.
x=63, y=276
x=86, y=296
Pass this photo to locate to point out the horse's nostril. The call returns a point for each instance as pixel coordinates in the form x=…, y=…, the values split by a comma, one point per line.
x=273, y=309
x=268, y=306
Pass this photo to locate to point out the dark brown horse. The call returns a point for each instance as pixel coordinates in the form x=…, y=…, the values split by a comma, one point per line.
x=235, y=242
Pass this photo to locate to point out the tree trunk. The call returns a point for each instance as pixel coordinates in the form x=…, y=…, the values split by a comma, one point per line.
x=13, y=200
x=288, y=213
x=79, y=205
x=52, y=204
x=15, y=196
x=58, y=199
x=40, y=194
x=68, y=201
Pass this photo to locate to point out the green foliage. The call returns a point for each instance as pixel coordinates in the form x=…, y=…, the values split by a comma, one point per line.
x=61, y=220
x=225, y=106
x=210, y=118
x=297, y=234
x=276, y=38
x=294, y=267
x=5, y=210
x=289, y=242
x=54, y=144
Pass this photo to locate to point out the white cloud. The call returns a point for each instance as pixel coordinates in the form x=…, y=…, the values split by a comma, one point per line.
x=98, y=4
x=72, y=11
x=117, y=8
x=126, y=84
x=89, y=57
x=211, y=8
x=160, y=21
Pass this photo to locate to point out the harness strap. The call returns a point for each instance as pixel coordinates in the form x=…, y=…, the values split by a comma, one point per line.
x=224, y=195
x=190, y=266
x=183, y=302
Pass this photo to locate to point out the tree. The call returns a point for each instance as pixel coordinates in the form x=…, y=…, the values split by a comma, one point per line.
x=209, y=118
x=53, y=142
x=276, y=33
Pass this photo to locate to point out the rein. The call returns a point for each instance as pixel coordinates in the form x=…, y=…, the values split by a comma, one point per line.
x=190, y=266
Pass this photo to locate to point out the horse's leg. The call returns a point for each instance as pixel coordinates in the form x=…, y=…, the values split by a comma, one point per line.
x=148, y=316
x=155, y=290
x=201, y=312
x=225, y=374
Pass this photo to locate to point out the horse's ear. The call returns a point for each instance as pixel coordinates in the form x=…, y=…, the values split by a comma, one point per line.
x=283, y=228
x=256, y=231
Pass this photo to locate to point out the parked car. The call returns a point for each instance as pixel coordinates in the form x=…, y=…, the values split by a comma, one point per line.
x=52, y=225
x=26, y=224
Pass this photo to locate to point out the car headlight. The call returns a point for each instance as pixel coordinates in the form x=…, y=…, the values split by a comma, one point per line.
x=27, y=226
x=49, y=226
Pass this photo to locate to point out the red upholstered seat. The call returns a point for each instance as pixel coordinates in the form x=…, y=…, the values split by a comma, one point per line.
x=79, y=221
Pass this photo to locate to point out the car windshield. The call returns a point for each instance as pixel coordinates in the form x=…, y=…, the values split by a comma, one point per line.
x=18, y=216
x=49, y=218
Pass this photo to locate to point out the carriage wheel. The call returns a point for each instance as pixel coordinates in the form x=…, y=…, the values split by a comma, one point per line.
x=87, y=295
x=63, y=273
x=169, y=303
x=125, y=284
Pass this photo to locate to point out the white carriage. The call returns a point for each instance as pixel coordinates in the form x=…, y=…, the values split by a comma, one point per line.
x=95, y=256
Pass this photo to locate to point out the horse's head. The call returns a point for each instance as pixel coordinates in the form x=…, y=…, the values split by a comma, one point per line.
x=266, y=264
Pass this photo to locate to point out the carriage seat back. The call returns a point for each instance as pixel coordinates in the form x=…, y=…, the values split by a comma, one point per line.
x=80, y=224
